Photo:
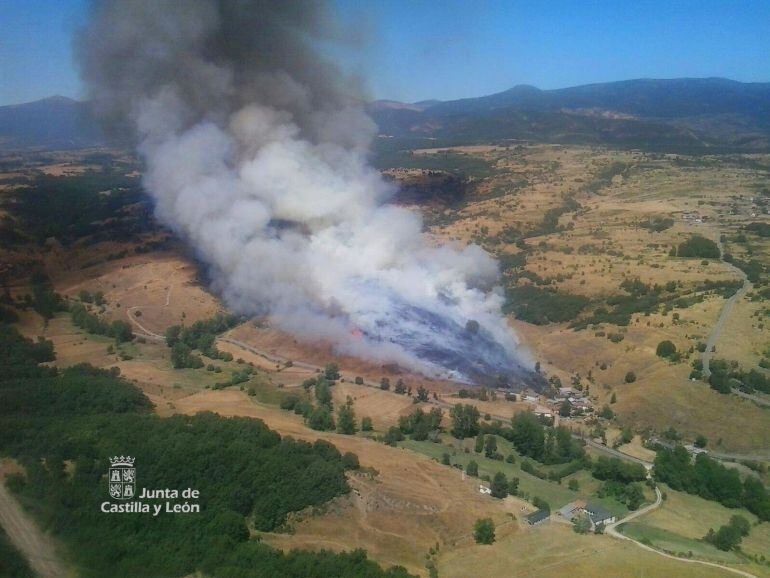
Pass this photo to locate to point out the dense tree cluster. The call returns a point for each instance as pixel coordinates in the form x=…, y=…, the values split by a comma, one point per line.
x=92, y=323
x=71, y=207
x=465, y=420
x=617, y=470
x=729, y=536
x=699, y=247
x=12, y=563
x=711, y=480
x=419, y=425
x=631, y=495
x=20, y=356
x=727, y=374
x=246, y=475
x=202, y=335
x=545, y=444
x=540, y=306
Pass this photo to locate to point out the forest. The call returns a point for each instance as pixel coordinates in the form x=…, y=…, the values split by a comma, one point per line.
x=63, y=426
x=711, y=480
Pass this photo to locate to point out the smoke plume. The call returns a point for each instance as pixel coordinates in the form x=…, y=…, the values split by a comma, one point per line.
x=255, y=150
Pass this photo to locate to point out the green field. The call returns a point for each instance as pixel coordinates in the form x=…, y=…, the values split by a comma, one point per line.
x=676, y=544
x=557, y=495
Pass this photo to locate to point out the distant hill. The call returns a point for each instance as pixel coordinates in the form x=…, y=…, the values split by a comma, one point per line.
x=685, y=112
x=56, y=122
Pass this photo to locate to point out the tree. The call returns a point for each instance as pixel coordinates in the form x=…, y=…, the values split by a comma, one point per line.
x=700, y=441
x=346, y=418
x=741, y=524
x=528, y=435
x=350, y=461
x=700, y=247
x=513, y=486
x=726, y=538
x=634, y=496
x=323, y=393
x=182, y=356
x=400, y=387
x=384, y=384
x=359, y=380
x=321, y=419
x=630, y=377
x=565, y=409
x=499, y=486
x=665, y=349
x=121, y=331
x=484, y=531
x=581, y=524
x=626, y=435
x=366, y=424
x=490, y=446
x=465, y=421
x=472, y=469
x=573, y=485
x=446, y=459
x=540, y=503
x=606, y=412
x=394, y=435
x=422, y=394
x=479, y=443
x=332, y=371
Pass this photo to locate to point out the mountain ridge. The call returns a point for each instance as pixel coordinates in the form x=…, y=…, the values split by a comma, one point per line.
x=701, y=113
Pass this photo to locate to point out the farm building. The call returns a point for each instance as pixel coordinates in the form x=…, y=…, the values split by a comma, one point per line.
x=538, y=517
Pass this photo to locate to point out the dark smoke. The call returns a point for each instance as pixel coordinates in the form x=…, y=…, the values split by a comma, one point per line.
x=255, y=148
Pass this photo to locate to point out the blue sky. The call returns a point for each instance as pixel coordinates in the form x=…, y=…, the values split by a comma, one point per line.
x=419, y=49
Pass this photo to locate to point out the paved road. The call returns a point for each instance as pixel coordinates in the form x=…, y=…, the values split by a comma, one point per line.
x=611, y=530
x=727, y=309
x=35, y=546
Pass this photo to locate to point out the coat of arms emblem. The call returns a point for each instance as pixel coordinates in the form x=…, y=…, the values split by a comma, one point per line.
x=122, y=478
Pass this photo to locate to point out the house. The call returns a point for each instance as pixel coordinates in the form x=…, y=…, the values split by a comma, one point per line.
x=572, y=509
x=598, y=514
x=538, y=517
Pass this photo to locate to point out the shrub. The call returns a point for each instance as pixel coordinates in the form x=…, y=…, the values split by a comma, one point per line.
x=665, y=349
x=484, y=531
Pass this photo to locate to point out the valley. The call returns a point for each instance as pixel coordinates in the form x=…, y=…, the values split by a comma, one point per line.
x=587, y=239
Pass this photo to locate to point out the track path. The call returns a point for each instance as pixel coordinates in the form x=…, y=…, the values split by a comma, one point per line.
x=146, y=332
x=33, y=544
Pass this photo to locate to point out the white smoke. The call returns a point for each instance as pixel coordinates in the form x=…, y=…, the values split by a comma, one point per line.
x=262, y=168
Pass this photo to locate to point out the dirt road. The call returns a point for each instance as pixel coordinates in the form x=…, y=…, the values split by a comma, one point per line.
x=716, y=331
x=35, y=546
